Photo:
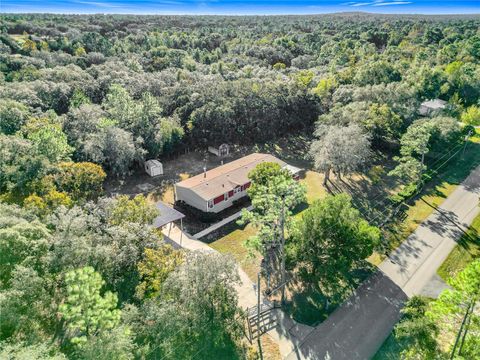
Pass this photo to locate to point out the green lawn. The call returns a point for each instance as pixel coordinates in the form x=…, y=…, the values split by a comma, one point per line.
x=232, y=243
x=465, y=252
x=313, y=181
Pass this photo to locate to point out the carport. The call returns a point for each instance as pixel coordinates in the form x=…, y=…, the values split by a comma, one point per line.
x=167, y=216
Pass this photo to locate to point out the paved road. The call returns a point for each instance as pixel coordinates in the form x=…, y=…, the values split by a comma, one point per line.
x=358, y=328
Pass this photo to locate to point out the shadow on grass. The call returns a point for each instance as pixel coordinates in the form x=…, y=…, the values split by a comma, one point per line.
x=308, y=303
x=468, y=249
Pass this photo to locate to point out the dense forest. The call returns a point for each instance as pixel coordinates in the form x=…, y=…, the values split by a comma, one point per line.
x=83, y=98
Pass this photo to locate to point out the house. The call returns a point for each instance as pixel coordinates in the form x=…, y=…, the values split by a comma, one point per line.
x=432, y=107
x=153, y=167
x=221, y=151
x=217, y=189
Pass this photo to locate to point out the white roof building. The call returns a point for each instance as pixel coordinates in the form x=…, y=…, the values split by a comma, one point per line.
x=216, y=189
x=430, y=107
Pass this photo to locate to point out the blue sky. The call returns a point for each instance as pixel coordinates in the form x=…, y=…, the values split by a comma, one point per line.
x=234, y=7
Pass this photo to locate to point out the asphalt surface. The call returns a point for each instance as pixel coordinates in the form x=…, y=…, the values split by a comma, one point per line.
x=357, y=329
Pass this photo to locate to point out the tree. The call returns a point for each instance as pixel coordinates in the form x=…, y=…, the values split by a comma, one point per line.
x=274, y=193
x=86, y=312
x=330, y=239
x=49, y=139
x=121, y=107
x=46, y=204
x=416, y=332
x=325, y=87
x=421, y=137
x=137, y=210
x=29, y=46
x=458, y=303
x=143, y=119
x=23, y=241
x=117, y=344
x=471, y=116
x=20, y=166
x=408, y=168
x=383, y=123
x=341, y=149
x=12, y=116
x=79, y=98
x=28, y=309
x=115, y=149
x=81, y=180
x=414, y=143
x=155, y=268
x=81, y=122
x=204, y=316
x=375, y=73
x=20, y=351
x=84, y=236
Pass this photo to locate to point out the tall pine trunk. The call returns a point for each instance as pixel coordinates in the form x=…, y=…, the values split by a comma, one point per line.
x=326, y=177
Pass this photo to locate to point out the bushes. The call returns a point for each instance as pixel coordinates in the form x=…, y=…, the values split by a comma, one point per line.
x=406, y=193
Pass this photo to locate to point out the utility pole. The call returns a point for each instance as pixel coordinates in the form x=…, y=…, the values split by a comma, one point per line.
x=258, y=318
x=462, y=326
x=282, y=249
x=467, y=325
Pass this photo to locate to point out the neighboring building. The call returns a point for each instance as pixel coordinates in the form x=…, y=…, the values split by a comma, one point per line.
x=216, y=189
x=432, y=107
x=221, y=151
x=153, y=167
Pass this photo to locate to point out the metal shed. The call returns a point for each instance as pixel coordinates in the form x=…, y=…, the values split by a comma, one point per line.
x=153, y=167
x=221, y=151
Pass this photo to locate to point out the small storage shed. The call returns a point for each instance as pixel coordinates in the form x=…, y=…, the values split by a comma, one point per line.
x=221, y=151
x=153, y=167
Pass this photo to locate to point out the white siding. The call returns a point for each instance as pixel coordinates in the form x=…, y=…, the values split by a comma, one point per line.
x=190, y=198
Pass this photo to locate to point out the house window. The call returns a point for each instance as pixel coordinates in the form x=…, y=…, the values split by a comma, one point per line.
x=225, y=196
x=237, y=189
x=246, y=186
x=210, y=204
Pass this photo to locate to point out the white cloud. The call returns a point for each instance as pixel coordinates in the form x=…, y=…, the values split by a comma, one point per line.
x=377, y=3
x=361, y=4
x=392, y=3
x=100, y=4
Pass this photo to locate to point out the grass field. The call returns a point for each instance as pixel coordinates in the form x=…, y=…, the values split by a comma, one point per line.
x=467, y=250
